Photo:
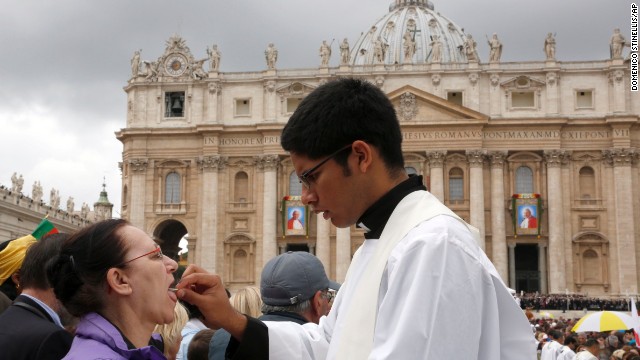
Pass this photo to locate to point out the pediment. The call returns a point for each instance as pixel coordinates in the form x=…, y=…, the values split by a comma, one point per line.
x=524, y=156
x=173, y=163
x=590, y=237
x=586, y=158
x=294, y=89
x=522, y=82
x=413, y=104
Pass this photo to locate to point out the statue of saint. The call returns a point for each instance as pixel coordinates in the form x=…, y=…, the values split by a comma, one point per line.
x=617, y=44
x=550, y=47
x=197, y=72
x=325, y=54
x=36, y=192
x=409, y=46
x=495, y=48
x=214, y=58
x=70, y=205
x=271, y=55
x=436, y=49
x=84, y=211
x=135, y=64
x=54, y=199
x=470, y=48
x=345, y=56
x=379, y=50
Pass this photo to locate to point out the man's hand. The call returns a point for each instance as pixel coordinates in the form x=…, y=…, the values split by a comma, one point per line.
x=206, y=291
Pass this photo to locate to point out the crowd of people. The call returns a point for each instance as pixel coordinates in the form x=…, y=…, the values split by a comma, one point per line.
x=573, y=302
x=417, y=286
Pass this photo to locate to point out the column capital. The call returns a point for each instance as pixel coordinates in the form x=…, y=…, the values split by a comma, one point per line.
x=497, y=158
x=476, y=157
x=212, y=162
x=139, y=164
x=215, y=87
x=436, y=158
x=269, y=86
x=511, y=246
x=620, y=157
x=269, y=162
x=556, y=158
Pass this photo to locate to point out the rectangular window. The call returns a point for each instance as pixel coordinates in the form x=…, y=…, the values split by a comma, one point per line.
x=455, y=97
x=584, y=99
x=292, y=104
x=174, y=104
x=456, y=189
x=523, y=99
x=243, y=107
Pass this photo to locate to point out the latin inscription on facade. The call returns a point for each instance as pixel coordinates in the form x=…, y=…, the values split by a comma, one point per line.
x=242, y=141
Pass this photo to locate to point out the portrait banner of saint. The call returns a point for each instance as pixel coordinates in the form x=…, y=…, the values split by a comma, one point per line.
x=295, y=217
x=526, y=213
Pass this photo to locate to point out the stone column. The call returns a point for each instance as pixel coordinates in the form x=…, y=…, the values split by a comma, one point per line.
x=498, y=231
x=622, y=159
x=323, y=245
x=616, y=79
x=215, y=89
x=343, y=252
x=207, y=240
x=269, y=165
x=553, y=96
x=495, y=97
x=476, y=192
x=137, y=194
x=436, y=175
x=270, y=100
x=557, y=280
x=542, y=265
x=512, y=266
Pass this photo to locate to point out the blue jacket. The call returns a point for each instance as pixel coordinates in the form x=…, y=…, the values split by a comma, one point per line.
x=97, y=338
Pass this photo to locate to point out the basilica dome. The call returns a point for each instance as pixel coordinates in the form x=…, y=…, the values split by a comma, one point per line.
x=417, y=20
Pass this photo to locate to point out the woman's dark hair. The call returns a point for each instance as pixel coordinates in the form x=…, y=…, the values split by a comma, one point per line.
x=78, y=273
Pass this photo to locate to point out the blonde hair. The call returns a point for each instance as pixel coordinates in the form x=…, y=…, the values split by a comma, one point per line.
x=170, y=332
x=247, y=301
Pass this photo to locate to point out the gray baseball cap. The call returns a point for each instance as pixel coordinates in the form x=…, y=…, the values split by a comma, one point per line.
x=293, y=277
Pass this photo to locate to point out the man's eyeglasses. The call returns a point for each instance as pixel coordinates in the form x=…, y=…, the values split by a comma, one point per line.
x=329, y=294
x=157, y=254
x=306, y=178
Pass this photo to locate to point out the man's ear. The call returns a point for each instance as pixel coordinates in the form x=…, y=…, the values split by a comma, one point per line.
x=15, y=277
x=316, y=304
x=364, y=153
x=118, y=281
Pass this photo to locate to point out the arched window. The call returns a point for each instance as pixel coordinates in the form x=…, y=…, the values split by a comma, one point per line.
x=411, y=170
x=456, y=185
x=295, y=187
x=241, y=187
x=587, y=183
x=172, y=188
x=524, y=180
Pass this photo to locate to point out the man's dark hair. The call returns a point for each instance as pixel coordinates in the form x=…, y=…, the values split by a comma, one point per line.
x=570, y=340
x=199, y=346
x=555, y=334
x=33, y=273
x=590, y=342
x=340, y=112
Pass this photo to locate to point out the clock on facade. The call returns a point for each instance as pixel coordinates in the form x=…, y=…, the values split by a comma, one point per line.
x=175, y=65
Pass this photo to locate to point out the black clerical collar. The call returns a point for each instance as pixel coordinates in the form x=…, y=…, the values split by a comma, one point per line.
x=375, y=218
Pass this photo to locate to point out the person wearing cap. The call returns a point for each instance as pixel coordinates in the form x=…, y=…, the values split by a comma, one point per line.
x=294, y=287
x=12, y=254
x=36, y=329
x=419, y=282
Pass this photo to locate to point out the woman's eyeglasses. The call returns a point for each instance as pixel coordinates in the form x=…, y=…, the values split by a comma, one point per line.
x=157, y=254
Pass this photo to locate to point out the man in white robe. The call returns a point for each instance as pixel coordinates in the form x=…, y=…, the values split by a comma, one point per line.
x=552, y=349
x=419, y=287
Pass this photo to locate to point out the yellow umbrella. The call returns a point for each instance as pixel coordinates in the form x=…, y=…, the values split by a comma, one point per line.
x=545, y=315
x=604, y=321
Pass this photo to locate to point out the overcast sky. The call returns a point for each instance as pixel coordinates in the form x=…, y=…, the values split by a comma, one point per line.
x=63, y=63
